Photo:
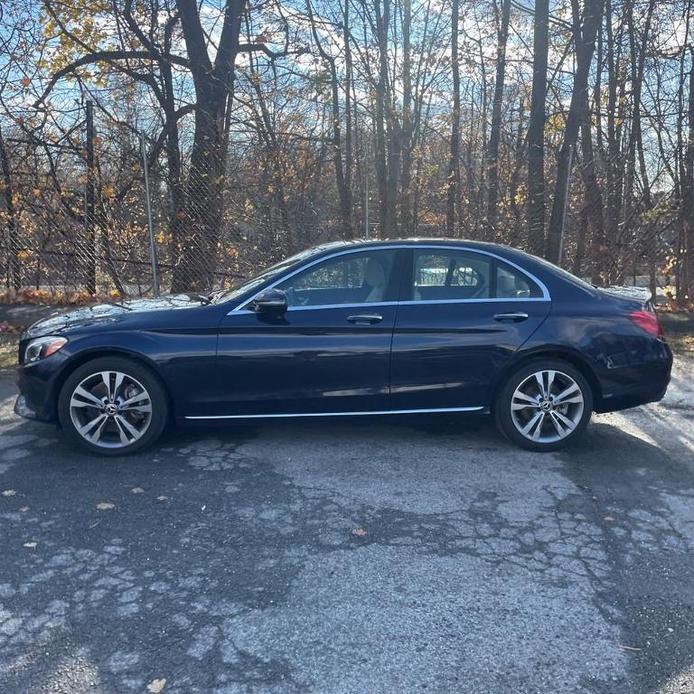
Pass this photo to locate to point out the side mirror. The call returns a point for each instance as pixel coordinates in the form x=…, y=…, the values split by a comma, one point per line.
x=270, y=301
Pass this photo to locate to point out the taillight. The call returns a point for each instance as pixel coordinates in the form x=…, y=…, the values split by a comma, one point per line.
x=647, y=321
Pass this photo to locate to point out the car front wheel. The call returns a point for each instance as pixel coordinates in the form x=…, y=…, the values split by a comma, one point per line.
x=544, y=405
x=112, y=406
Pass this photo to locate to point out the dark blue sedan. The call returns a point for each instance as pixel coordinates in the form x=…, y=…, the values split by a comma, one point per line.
x=352, y=328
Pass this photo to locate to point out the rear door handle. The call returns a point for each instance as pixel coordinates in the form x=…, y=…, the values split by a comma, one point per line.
x=510, y=317
x=365, y=318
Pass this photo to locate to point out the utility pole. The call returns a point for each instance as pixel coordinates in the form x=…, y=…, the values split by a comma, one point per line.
x=90, y=206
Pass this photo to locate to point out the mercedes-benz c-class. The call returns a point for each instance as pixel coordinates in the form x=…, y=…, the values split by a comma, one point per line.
x=351, y=329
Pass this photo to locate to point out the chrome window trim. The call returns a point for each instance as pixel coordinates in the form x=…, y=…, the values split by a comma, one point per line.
x=321, y=307
x=477, y=408
x=490, y=300
x=241, y=308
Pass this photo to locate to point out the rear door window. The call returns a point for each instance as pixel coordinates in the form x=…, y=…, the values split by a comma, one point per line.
x=456, y=275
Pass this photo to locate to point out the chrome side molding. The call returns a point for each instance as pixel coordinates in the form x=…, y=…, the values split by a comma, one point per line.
x=479, y=408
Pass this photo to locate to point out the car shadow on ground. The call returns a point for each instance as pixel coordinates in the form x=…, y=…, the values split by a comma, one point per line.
x=177, y=560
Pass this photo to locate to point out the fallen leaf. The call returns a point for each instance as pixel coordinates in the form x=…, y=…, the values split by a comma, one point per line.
x=30, y=545
x=137, y=490
x=105, y=506
x=359, y=532
x=156, y=686
x=9, y=492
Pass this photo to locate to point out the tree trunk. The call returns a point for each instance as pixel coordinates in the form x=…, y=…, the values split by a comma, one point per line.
x=384, y=203
x=536, y=131
x=584, y=41
x=495, y=132
x=348, y=110
x=613, y=210
x=173, y=162
x=453, y=194
x=202, y=219
x=343, y=191
x=593, y=205
x=406, y=223
x=687, y=281
x=14, y=275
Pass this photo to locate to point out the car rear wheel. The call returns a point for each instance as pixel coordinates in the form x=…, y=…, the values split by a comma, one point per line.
x=544, y=405
x=112, y=406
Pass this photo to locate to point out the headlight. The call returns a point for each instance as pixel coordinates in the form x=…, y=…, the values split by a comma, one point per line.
x=42, y=347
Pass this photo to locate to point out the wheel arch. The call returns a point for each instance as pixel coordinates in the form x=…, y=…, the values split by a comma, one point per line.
x=568, y=355
x=88, y=355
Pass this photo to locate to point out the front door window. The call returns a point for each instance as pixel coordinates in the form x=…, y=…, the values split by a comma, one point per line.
x=352, y=278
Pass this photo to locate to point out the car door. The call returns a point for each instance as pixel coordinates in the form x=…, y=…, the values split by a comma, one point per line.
x=328, y=353
x=462, y=316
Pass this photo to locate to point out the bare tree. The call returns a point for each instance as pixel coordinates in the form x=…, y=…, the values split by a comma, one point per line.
x=585, y=27
x=536, y=130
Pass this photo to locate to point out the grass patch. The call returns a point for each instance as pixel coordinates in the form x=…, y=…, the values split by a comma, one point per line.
x=8, y=350
x=682, y=344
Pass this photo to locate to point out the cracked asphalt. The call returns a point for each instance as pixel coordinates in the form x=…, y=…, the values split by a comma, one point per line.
x=227, y=560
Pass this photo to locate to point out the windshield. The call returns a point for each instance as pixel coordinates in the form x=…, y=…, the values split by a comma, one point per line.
x=266, y=275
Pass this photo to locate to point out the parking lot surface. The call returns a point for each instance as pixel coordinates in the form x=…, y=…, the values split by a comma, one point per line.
x=377, y=555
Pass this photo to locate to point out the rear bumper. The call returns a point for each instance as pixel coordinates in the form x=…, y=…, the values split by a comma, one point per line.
x=630, y=386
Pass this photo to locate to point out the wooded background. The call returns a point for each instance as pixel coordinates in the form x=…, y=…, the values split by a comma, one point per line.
x=564, y=128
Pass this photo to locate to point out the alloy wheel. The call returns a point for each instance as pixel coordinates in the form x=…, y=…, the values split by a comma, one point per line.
x=110, y=409
x=547, y=406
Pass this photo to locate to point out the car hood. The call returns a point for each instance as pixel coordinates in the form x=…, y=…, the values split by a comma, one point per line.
x=96, y=314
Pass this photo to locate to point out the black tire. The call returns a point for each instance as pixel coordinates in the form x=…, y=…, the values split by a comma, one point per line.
x=503, y=413
x=157, y=396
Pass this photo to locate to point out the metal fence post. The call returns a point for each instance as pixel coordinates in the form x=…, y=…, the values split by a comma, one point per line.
x=90, y=203
x=150, y=225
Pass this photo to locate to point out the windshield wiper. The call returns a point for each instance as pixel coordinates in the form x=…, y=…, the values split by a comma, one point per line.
x=115, y=303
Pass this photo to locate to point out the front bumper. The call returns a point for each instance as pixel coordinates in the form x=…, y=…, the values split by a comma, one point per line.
x=38, y=387
x=21, y=407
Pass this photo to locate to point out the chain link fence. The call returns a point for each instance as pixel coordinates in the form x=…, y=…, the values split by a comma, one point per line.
x=104, y=211
x=101, y=213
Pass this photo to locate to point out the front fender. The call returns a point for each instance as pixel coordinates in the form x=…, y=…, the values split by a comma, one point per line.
x=183, y=361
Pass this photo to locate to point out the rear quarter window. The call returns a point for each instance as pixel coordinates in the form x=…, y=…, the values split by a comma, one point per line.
x=514, y=284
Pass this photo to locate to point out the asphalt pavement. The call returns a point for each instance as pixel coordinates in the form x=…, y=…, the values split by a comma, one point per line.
x=422, y=554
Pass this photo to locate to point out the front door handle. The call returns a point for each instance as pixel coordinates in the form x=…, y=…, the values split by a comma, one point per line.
x=365, y=318
x=510, y=317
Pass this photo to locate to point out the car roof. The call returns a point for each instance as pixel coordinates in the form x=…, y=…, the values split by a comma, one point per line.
x=508, y=252
x=415, y=241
